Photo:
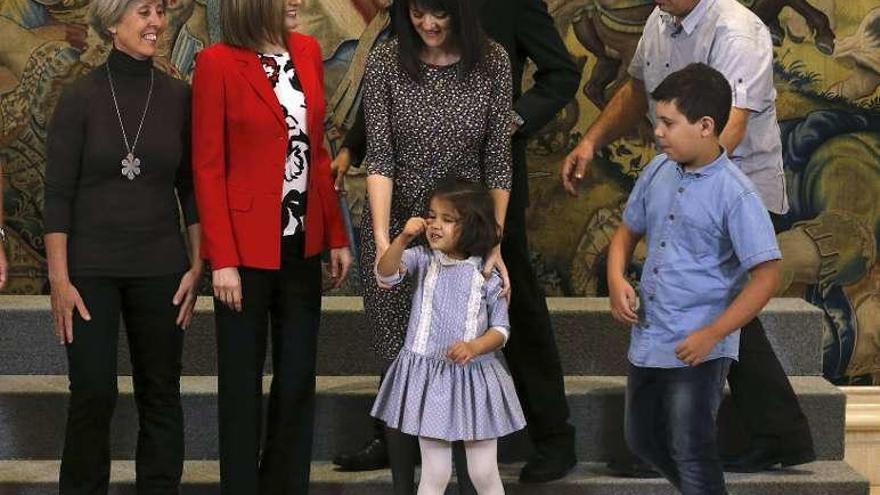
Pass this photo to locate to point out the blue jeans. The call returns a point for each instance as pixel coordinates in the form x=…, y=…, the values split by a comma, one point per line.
x=670, y=423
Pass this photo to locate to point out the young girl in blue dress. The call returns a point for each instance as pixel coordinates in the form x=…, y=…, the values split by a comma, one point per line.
x=447, y=383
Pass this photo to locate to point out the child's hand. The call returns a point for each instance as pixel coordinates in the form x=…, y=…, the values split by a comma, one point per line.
x=414, y=227
x=461, y=352
x=623, y=301
x=694, y=349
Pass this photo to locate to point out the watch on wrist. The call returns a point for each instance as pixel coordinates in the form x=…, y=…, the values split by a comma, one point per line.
x=2, y=235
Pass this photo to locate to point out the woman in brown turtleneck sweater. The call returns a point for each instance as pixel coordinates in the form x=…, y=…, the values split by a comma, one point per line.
x=118, y=167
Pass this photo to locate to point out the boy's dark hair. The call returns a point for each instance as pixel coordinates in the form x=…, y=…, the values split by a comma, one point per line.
x=465, y=30
x=698, y=91
x=479, y=230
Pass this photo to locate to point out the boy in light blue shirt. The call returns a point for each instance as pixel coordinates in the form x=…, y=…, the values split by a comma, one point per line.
x=712, y=264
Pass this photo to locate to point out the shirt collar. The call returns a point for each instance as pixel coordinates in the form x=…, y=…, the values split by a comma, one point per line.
x=706, y=170
x=445, y=260
x=690, y=21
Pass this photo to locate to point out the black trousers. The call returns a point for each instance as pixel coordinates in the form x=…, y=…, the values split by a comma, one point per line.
x=531, y=351
x=763, y=395
x=288, y=300
x=155, y=343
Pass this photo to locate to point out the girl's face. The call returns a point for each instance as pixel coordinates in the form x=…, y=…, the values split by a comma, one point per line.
x=444, y=228
x=137, y=33
x=433, y=27
x=291, y=7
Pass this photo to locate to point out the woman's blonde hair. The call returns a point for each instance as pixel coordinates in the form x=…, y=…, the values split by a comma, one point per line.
x=251, y=23
x=104, y=14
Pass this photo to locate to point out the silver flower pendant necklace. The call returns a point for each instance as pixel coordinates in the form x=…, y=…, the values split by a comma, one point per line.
x=131, y=165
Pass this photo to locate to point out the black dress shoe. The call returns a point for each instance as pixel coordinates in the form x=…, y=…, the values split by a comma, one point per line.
x=633, y=469
x=757, y=459
x=541, y=469
x=372, y=456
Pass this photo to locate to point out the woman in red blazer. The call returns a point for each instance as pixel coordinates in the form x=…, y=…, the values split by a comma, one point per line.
x=268, y=206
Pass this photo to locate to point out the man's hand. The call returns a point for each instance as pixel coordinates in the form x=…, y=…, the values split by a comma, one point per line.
x=574, y=167
x=694, y=349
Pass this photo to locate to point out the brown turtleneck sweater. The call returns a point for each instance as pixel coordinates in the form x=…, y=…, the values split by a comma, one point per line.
x=117, y=226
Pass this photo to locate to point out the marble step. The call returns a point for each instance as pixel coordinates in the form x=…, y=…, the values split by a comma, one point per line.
x=33, y=412
x=589, y=341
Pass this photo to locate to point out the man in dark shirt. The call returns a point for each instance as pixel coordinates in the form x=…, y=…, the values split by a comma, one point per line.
x=526, y=30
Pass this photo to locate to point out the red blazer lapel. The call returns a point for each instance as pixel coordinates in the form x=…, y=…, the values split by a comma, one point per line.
x=252, y=71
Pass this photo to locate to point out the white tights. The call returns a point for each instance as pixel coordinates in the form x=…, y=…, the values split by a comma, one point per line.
x=482, y=463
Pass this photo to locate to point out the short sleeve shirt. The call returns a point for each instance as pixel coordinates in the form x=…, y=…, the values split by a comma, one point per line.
x=730, y=38
x=704, y=229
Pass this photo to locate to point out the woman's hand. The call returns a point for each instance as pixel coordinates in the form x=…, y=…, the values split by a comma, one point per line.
x=382, y=245
x=462, y=352
x=494, y=260
x=340, y=262
x=185, y=297
x=65, y=298
x=227, y=287
x=339, y=167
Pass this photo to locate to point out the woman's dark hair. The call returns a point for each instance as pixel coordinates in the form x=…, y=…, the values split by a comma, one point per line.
x=465, y=30
x=479, y=230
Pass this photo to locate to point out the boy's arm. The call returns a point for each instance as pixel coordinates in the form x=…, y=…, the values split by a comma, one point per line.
x=762, y=284
x=621, y=293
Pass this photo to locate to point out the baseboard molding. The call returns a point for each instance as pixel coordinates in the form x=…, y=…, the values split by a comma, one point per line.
x=863, y=432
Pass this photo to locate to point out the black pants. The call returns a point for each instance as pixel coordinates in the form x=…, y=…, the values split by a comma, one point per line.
x=155, y=343
x=763, y=395
x=531, y=352
x=290, y=300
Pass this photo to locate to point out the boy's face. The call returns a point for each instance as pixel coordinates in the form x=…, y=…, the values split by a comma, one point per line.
x=681, y=140
x=444, y=228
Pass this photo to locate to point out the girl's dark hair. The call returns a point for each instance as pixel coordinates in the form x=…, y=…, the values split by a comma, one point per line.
x=465, y=26
x=479, y=230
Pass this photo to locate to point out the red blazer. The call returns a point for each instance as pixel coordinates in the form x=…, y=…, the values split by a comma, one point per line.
x=239, y=152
